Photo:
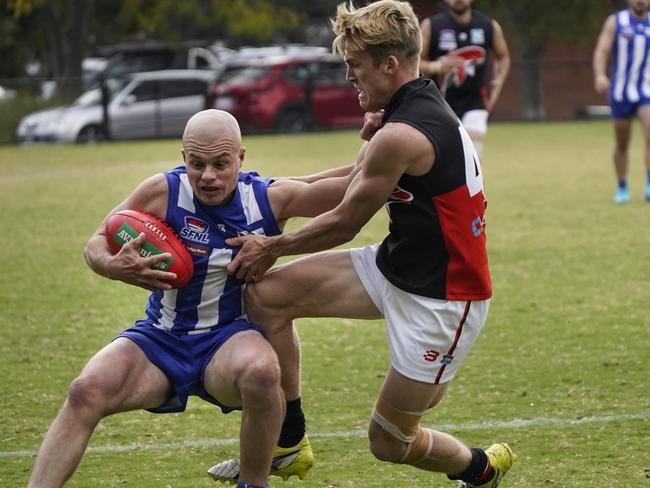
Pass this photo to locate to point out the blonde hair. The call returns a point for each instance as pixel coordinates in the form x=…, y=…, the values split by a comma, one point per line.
x=381, y=28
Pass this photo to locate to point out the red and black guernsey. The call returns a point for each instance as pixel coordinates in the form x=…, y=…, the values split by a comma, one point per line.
x=464, y=88
x=436, y=245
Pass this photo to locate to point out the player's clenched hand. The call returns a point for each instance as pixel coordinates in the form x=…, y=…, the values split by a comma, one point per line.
x=253, y=259
x=130, y=267
x=447, y=63
x=371, y=122
x=601, y=84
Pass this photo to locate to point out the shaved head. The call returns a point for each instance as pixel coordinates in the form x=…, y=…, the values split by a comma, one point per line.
x=209, y=129
x=213, y=155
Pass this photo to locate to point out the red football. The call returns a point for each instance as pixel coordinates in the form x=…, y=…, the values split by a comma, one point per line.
x=126, y=225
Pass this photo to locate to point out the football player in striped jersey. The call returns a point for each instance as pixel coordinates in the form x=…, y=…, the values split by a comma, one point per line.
x=625, y=41
x=195, y=340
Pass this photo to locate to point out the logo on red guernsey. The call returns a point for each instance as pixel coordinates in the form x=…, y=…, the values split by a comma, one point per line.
x=400, y=195
x=473, y=56
x=195, y=230
x=478, y=226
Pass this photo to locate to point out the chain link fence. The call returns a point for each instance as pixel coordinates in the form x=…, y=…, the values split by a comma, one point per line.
x=552, y=89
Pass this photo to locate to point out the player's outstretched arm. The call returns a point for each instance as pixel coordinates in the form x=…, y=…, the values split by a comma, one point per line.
x=390, y=154
x=127, y=265
x=371, y=123
x=330, y=173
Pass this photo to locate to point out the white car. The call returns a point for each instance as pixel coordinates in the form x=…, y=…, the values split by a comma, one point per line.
x=155, y=104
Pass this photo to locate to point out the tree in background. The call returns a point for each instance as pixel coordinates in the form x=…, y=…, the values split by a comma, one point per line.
x=238, y=21
x=64, y=24
x=15, y=45
x=73, y=28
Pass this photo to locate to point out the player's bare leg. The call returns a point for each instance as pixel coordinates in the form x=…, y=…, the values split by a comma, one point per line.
x=324, y=284
x=245, y=372
x=644, y=115
x=117, y=379
x=396, y=436
x=622, y=131
x=448, y=455
x=320, y=285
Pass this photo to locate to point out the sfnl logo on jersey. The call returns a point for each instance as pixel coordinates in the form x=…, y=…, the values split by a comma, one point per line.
x=195, y=230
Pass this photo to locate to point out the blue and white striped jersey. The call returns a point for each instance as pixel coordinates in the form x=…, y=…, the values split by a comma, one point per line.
x=212, y=297
x=630, y=78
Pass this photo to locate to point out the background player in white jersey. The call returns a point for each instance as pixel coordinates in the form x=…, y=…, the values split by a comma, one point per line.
x=625, y=38
x=195, y=340
x=456, y=46
x=429, y=279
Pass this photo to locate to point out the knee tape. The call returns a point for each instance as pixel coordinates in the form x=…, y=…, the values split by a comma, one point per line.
x=405, y=426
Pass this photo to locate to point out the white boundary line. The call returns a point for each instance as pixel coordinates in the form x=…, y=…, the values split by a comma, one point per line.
x=494, y=424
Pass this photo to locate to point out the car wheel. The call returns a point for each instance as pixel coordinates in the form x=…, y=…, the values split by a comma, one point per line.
x=90, y=133
x=292, y=121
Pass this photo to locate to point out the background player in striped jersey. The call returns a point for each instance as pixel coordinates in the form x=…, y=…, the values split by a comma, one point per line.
x=625, y=38
x=429, y=278
x=456, y=46
x=195, y=340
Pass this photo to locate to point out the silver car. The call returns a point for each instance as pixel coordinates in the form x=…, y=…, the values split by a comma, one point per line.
x=143, y=105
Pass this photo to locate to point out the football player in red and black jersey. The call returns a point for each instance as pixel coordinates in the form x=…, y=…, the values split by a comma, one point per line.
x=456, y=46
x=428, y=279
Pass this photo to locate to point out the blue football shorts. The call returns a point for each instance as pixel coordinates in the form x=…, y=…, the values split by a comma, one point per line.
x=625, y=109
x=183, y=358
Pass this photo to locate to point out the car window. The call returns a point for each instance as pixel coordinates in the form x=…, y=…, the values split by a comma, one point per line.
x=145, y=91
x=330, y=74
x=243, y=74
x=94, y=96
x=322, y=73
x=297, y=73
x=91, y=97
x=134, y=62
x=182, y=88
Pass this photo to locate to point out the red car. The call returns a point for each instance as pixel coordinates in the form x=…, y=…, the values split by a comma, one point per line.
x=287, y=93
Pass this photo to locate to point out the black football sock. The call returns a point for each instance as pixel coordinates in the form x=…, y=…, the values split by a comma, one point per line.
x=479, y=471
x=293, y=427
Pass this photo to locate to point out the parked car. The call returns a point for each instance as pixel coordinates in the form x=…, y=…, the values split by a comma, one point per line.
x=153, y=56
x=142, y=105
x=288, y=93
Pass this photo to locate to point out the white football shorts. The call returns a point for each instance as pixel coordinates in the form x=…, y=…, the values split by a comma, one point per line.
x=475, y=121
x=428, y=338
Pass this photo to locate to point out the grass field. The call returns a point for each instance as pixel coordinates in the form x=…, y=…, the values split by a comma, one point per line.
x=561, y=371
